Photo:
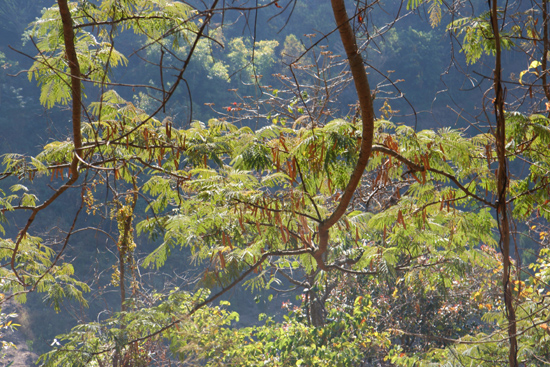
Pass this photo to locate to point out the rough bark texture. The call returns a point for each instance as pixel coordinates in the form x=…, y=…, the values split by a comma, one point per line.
x=318, y=312
x=502, y=187
x=365, y=103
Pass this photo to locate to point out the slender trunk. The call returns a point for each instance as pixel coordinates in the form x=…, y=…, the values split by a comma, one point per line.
x=546, y=48
x=367, y=113
x=125, y=250
x=502, y=186
x=72, y=59
x=121, y=266
x=70, y=52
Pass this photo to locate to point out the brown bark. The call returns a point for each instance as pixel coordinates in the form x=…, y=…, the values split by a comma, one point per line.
x=72, y=59
x=367, y=113
x=70, y=52
x=502, y=187
x=546, y=48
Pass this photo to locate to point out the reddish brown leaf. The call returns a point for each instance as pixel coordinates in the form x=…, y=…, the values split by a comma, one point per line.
x=400, y=218
x=283, y=235
x=229, y=242
x=241, y=222
x=258, y=227
x=168, y=130
x=426, y=161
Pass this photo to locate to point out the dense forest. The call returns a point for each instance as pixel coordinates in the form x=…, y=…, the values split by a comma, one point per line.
x=280, y=183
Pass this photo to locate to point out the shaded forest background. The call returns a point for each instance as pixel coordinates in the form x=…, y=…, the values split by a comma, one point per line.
x=420, y=81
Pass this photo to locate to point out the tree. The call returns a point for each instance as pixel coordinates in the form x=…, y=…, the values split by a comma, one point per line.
x=360, y=212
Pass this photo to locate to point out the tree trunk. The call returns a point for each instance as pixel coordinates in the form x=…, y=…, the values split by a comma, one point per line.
x=317, y=310
x=76, y=88
x=362, y=88
x=502, y=188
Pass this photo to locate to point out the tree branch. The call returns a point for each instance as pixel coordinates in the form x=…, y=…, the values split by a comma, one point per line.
x=367, y=113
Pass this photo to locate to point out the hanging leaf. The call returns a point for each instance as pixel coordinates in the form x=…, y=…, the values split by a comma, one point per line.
x=400, y=219
x=222, y=259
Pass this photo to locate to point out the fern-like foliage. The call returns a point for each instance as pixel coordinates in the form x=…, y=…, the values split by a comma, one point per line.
x=478, y=37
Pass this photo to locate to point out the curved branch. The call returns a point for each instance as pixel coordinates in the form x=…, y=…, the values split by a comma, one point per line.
x=367, y=112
